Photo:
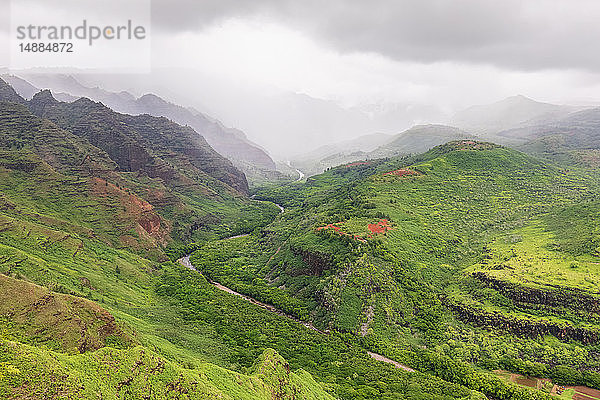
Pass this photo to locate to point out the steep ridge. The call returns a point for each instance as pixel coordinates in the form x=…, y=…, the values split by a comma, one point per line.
x=7, y=93
x=229, y=142
x=159, y=183
x=61, y=149
x=419, y=139
x=152, y=145
x=52, y=176
x=83, y=234
x=441, y=251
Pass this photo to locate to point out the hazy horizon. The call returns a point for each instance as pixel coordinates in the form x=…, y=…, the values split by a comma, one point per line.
x=296, y=76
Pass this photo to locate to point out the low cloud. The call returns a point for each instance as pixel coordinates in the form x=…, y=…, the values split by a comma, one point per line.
x=514, y=34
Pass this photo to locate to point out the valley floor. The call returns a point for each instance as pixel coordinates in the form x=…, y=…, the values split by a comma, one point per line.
x=185, y=261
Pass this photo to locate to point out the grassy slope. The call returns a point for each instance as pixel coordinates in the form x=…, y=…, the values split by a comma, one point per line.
x=51, y=171
x=337, y=359
x=224, y=332
x=466, y=200
x=40, y=247
x=74, y=234
x=31, y=372
x=61, y=239
x=188, y=321
x=497, y=190
x=65, y=323
x=63, y=227
x=80, y=251
x=528, y=256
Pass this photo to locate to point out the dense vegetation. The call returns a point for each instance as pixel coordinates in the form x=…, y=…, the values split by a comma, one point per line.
x=461, y=263
x=82, y=245
x=469, y=206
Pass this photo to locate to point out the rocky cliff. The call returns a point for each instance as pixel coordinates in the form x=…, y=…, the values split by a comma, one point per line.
x=154, y=146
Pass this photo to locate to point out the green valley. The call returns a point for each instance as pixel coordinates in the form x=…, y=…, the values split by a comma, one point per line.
x=467, y=269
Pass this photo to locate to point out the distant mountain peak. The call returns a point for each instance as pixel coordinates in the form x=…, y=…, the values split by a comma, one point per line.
x=421, y=138
x=230, y=142
x=85, y=100
x=511, y=112
x=7, y=93
x=42, y=100
x=521, y=99
x=432, y=127
x=152, y=99
x=43, y=95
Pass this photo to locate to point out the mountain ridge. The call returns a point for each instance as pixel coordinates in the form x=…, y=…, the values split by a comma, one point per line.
x=229, y=142
x=511, y=112
x=94, y=121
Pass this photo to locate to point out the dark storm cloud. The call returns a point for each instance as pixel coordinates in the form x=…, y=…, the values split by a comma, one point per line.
x=516, y=34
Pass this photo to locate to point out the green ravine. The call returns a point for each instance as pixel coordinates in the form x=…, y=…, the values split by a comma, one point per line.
x=472, y=265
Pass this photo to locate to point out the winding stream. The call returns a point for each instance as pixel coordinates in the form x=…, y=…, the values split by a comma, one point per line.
x=300, y=173
x=185, y=261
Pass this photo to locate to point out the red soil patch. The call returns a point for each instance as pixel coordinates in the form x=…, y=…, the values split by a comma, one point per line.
x=376, y=228
x=133, y=203
x=137, y=211
x=339, y=231
x=330, y=226
x=402, y=172
x=354, y=164
x=150, y=223
x=380, y=227
x=358, y=238
x=466, y=144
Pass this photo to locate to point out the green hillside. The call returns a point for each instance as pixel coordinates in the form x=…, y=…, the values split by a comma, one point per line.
x=474, y=251
x=154, y=146
x=467, y=266
x=82, y=249
x=419, y=139
x=31, y=372
x=148, y=182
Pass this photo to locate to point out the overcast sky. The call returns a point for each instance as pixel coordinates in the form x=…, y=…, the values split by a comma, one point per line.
x=446, y=54
x=355, y=48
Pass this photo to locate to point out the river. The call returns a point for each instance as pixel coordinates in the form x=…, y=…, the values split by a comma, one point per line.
x=185, y=261
x=300, y=173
